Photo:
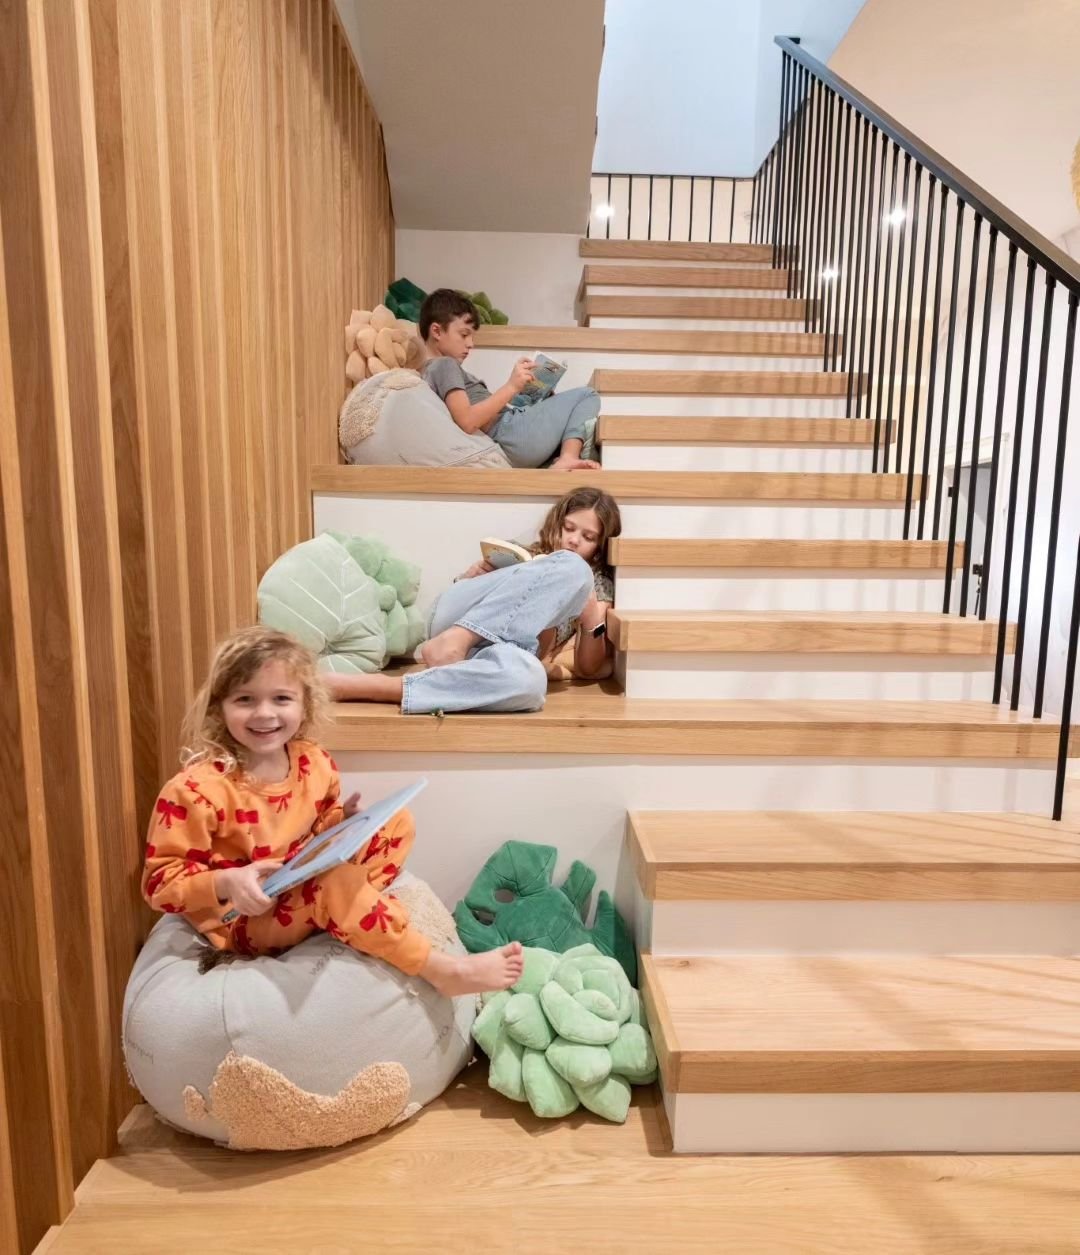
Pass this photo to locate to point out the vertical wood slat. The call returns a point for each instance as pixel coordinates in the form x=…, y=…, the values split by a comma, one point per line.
x=185, y=222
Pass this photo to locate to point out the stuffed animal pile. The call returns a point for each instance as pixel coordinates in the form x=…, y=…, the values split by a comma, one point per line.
x=375, y=341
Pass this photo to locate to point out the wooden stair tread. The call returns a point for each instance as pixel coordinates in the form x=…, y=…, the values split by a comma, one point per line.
x=685, y=277
x=864, y=488
x=805, y=631
x=865, y=1024
x=854, y=855
x=722, y=383
x=803, y=555
x=631, y=340
x=615, y=724
x=755, y=308
x=674, y=250
x=696, y=429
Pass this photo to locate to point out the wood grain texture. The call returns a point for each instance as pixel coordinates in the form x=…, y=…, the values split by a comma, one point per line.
x=753, y=308
x=721, y=383
x=620, y=340
x=825, y=433
x=629, y=1193
x=613, y=724
x=854, y=855
x=675, y=250
x=805, y=631
x=975, y=1024
x=805, y=555
x=685, y=277
x=437, y=481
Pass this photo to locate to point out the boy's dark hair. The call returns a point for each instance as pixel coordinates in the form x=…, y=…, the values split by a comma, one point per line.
x=443, y=306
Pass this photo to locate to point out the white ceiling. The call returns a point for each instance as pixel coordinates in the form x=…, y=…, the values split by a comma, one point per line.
x=487, y=108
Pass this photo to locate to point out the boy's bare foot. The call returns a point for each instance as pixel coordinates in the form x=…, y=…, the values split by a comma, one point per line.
x=453, y=975
x=574, y=464
x=450, y=646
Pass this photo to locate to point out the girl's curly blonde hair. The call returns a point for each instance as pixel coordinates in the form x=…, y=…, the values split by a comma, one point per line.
x=205, y=735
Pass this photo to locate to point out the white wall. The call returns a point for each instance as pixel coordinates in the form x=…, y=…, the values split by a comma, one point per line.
x=532, y=277
x=693, y=86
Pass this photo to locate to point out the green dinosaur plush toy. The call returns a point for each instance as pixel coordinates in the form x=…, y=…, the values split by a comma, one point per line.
x=570, y=1033
x=513, y=899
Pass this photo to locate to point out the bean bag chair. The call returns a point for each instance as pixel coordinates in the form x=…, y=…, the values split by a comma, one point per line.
x=347, y=598
x=314, y=1048
x=395, y=419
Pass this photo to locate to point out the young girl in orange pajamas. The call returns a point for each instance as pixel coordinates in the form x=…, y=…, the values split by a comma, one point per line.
x=255, y=787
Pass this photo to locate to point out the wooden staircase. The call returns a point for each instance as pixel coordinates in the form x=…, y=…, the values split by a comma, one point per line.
x=885, y=963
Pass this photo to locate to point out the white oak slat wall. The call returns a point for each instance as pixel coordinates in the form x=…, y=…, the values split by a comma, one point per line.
x=194, y=198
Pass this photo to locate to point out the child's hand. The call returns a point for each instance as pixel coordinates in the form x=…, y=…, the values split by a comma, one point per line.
x=478, y=568
x=242, y=886
x=351, y=805
x=522, y=373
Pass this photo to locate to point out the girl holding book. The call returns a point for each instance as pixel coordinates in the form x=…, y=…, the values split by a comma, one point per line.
x=255, y=787
x=495, y=633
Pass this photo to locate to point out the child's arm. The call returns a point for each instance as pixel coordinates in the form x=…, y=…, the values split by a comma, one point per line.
x=591, y=653
x=474, y=418
x=177, y=877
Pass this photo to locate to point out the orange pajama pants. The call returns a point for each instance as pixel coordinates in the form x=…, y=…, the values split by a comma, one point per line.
x=348, y=902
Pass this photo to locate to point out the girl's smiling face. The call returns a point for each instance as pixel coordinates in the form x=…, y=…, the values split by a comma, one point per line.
x=582, y=534
x=265, y=713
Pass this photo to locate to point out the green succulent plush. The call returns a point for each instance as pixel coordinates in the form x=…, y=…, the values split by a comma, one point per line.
x=570, y=1033
x=513, y=899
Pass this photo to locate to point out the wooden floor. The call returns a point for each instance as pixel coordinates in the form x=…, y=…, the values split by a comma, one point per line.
x=477, y=1171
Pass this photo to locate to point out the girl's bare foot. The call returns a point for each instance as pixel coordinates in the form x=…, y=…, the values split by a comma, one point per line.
x=450, y=646
x=574, y=464
x=453, y=975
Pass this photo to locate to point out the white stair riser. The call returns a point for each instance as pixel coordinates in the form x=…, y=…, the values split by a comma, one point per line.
x=666, y=264
x=857, y=928
x=578, y=802
x=827, y=1124
x=668, y=405
x=808, y=677
x=442, y=535
x=616, y=456
x=647, y=289
x=697, y=324
x=684, y=588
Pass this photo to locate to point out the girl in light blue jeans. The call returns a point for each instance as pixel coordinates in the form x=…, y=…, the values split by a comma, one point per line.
x=490, y=631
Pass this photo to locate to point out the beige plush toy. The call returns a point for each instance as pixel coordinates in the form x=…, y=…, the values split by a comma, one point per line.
x=376, y=341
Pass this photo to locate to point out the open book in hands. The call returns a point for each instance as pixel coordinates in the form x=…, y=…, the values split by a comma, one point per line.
x=503, y=553
x=546, y=375
x=334, y=846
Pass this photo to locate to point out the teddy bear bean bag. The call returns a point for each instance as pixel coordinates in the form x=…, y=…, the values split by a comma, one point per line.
x=395, y=419
x=314, y=1048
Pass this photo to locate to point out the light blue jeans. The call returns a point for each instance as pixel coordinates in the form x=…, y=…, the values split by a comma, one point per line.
x=509, y=609
x=533, y=435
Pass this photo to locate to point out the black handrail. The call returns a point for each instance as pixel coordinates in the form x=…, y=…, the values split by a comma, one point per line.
x=1047, y=254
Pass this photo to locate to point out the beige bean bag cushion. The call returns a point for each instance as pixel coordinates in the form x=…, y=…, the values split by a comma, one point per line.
x=394, y=419
x=314, y=1048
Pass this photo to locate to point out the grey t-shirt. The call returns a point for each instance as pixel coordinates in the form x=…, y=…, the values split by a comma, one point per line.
x=445, y=375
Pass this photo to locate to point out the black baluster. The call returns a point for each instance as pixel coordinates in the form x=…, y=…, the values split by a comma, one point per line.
x=798, y=185
x=690, y=225
x=670, y=205
x=731, y=224
x=1067, y=695
x=871, y=216
x=630, y=208
x=999, y=411
x=908, y=330
x=836, y=258
x=961, y=416
x=814, y=206
x=896, y=322
x=607, y=229
x=648, y=229
x=950, y=344
x=934, y=329
x=1033, y=489
x=779, y=151
x=917, y=386
x=884, y=228
x=1055, y=504
x=823, y=209
x=1014, y=479
x=828, y=254
x=712, y=193
x=854, y=258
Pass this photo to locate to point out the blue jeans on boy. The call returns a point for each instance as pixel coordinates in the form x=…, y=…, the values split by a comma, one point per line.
x=533, y=435
x=509, y=609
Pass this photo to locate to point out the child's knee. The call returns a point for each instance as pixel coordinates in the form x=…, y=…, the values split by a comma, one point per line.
x=576, y=571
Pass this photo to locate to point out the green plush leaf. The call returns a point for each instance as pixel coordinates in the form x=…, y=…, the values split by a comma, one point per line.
x=598, y=1003
x=526, y=1023
x=633, y=1056
x=505, y=1072
x=580, y=1065
x=637, y=1010
x=573, y=1021
x=547, y=1093
x=610, y=1098
x=485, y=1029
x=539, y=965
x=578, y=952
x=603, y=982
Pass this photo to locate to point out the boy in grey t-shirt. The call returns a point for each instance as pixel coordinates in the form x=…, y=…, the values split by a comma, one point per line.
x=529, y=435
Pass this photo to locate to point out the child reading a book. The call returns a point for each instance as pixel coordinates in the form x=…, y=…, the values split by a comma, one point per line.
x=495, y=633
x=529, y=435
x=255, y=787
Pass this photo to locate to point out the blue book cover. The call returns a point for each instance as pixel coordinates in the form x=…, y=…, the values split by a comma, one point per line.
x=546, y=375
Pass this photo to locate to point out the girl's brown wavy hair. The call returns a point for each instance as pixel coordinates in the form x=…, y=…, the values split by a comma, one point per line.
x=607, y=511
x=205, y=735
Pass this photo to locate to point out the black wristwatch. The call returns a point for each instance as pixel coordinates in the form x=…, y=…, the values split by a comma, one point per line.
x=599, y=630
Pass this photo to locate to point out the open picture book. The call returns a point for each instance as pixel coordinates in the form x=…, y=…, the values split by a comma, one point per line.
x=503, y=553
x=336, y=845
x=546, y=375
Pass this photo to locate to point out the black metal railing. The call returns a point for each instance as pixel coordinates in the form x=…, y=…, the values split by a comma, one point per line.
x=697, y=208
x=903, y=262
